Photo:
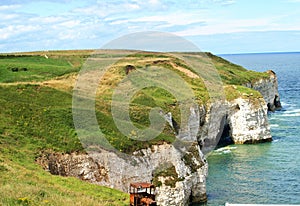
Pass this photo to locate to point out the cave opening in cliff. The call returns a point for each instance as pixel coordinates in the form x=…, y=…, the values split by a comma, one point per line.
x=225, y=138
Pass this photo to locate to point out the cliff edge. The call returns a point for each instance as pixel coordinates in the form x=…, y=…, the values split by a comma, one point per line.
x=178, y=171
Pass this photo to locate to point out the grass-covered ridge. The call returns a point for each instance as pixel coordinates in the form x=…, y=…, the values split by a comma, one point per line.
x=233, y=74
x=42, y=104
x=36, y=115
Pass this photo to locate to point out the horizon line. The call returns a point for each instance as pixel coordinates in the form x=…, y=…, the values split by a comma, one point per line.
x=269, y=52
x=90, y=49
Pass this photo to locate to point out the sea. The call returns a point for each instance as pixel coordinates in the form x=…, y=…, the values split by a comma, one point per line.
x=267, y=173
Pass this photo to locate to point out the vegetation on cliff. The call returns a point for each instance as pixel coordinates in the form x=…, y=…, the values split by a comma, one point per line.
x=36, y=115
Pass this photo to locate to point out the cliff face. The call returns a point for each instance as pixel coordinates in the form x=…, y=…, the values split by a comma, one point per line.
x=181, y=179
x=241, y=121
x=248, y=121
x=179, y=170
x=179, y=173
x=269, y=90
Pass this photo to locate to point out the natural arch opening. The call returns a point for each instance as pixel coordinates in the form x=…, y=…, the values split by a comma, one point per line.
x=225, y=134
x=222, y=139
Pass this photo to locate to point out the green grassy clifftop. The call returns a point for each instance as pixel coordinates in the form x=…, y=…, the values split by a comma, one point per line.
x=36, y=115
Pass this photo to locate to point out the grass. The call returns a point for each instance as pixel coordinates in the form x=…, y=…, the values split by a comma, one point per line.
x=167, y=171
x=25, y=183
x=232, y=74
x=27, y=68
x=35, y=118
x=235, y=91
x=36, y=115
x=43, y=115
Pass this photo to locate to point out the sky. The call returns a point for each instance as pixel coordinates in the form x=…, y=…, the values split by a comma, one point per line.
x=217, y=26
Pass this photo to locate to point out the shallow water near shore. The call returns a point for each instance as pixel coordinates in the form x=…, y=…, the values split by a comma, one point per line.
x=266, y=173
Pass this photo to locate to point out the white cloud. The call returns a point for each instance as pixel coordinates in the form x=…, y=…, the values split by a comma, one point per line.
x=132, y=6
x=106, y=19
x=15, y=30
x=116, y=22
x=228, y=2
x=47, y=19
x=9, y=7
x=103, y=9
x=163, y=21
x=4, y=16
x=69, y=23
x=217, y=27
x=154, y=2
x=220, y=2
x=68, y=35
x=233, y=26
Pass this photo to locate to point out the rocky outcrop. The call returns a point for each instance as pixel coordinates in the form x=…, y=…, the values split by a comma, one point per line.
x=178, y=170
x=186, y=183
x=248, y=121
x=78, y=165
x=241, y=121
x=268, y=87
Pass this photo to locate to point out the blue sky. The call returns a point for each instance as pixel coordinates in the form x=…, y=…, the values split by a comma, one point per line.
x=218, y=26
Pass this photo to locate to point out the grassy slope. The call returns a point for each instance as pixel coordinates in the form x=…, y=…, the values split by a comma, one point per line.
x=234, y=74
x=37, y=116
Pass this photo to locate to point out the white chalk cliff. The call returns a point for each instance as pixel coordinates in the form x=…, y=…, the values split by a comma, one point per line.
x=179, y=173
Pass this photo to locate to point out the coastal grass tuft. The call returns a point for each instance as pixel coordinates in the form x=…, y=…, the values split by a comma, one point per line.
x=168, y=173
x=233, y=92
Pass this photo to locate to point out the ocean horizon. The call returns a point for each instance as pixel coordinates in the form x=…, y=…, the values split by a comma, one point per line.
x=257, y=53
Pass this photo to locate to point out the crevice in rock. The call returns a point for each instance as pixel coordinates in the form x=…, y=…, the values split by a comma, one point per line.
x=277, y=102
x=275, y=105
x=225, y=138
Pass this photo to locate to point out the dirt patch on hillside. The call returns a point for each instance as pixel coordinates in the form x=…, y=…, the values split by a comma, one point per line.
x=65, y=82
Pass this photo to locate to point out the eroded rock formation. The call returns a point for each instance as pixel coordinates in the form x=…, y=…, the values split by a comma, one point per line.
x=241, y=121
x=179, y=173
x=269, y=90
x=181, y=178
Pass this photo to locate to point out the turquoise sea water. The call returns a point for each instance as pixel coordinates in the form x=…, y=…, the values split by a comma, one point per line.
x=266, y=173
